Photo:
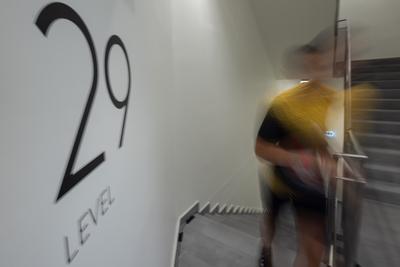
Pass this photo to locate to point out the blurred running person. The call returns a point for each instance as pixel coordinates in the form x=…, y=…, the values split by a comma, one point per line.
x=292, y=138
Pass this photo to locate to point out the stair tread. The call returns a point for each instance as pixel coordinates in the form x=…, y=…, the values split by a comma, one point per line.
x=243, y=218
x=382, y=172
x=377, y=61
x=391, y=90
x=377, y=99
x=383, y=192
x=214, y=252
x=382, y=71
x=377, y=110
x=360, y=78
x=375, y=70
x=392, y=136
x=381, y=167
x=201, y=219
x=202, y=246
x=382, y=150
x=227, y=235
x=360, y=71
x=380, y=85
x=384, y=186
x=239, y=221
x=379, y=234
x=372, y=81
x=189, y=259
x=379, y=93
x=377, y=122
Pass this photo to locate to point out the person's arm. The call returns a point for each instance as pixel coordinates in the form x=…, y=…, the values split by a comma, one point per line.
x=270, y=133
x=273, y=153
x=303, y=163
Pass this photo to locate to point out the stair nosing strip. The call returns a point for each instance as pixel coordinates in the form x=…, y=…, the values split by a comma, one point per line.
x=377, y=99
x=382, y=150
x=381, y=167
x=377, y=110
x=377, y=122
x=393, y=136
x=371, y=81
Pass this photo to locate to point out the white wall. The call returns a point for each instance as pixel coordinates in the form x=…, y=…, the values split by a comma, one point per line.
x=375, y=27
x=198, y=70
x=221, y=70
x=44, y=87
x=286, y=23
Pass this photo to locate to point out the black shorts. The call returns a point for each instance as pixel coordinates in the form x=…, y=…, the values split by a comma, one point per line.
x=304, y=203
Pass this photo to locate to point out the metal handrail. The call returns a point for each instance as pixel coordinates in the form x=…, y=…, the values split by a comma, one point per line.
x=347, y=76
x=355, y=144
x=352, y=149
x=360, y=181
x=347, y=86
x=357, y=178
x=348, y=91
x=348, y=155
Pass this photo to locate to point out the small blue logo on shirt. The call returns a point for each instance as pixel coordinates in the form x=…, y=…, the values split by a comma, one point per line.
x=330, y=134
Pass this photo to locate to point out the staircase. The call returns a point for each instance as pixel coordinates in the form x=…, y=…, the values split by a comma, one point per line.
x=234, y=240
x=381, y=140
x=380, y=234
x=220, y=240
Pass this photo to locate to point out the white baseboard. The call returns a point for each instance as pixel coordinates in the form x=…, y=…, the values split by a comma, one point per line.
x=183, y=218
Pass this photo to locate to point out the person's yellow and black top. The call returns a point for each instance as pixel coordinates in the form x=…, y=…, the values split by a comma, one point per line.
x=296, y=121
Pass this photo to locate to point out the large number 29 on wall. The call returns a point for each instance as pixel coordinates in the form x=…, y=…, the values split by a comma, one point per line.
x=47, y=16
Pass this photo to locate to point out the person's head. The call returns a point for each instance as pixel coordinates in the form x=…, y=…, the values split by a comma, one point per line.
x=316, y=62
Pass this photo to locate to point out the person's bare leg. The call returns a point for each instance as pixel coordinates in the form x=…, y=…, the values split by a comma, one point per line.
x=267, y=228
x=310, y=234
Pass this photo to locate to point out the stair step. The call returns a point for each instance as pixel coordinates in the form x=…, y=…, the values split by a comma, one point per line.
x=383, y=192
x=379, y=140
x=383, y=94
x=379, y=236
x=228, y=236
x=251, y=220
x=375, y=68
x=392, y=84
x=253, y=217
x=385, y=157
x=388, y=174
x=376, y=114
x=245, y=225
x=377, y=61
x=387, y=104
x=188, y=259
x=208, y=242
x=377, y=127
x=199, y=247
x=376, y=76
